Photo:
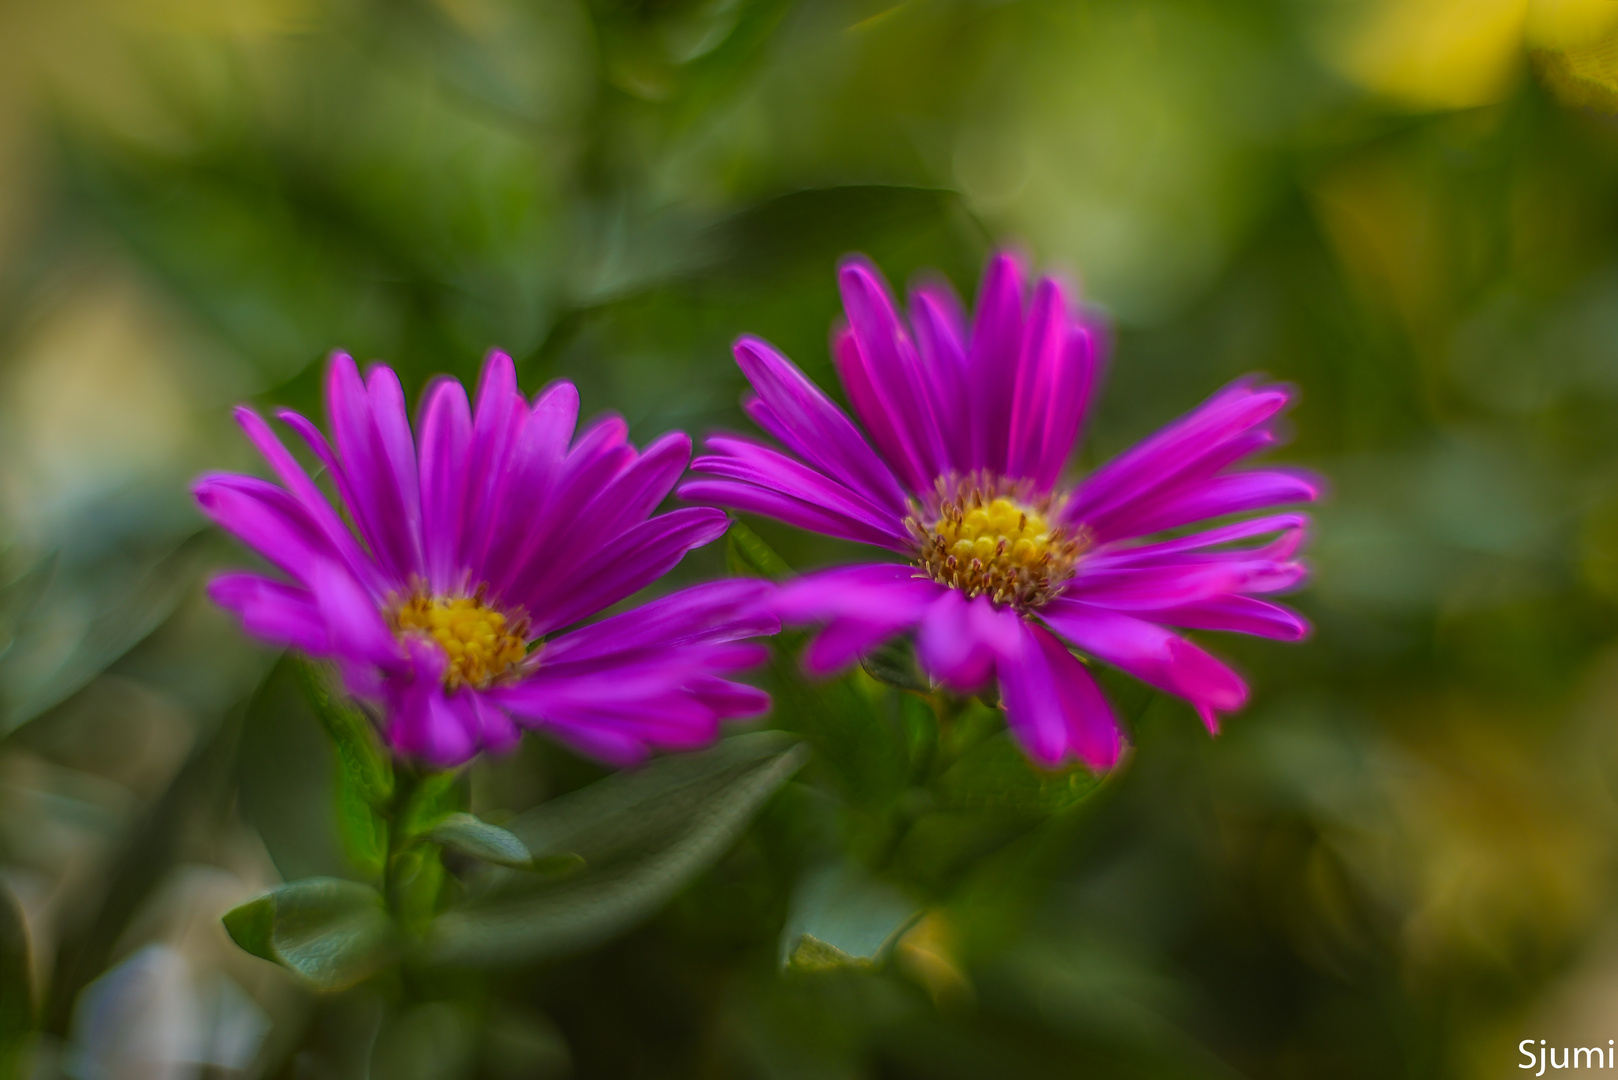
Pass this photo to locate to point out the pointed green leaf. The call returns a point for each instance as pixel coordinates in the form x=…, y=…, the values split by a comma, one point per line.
x=435, y=797
x=472, y=836
x=747, y=555
x=894, y=663
x=843, y=917
x=642, y=835
x=365, y=764
x=334, y=933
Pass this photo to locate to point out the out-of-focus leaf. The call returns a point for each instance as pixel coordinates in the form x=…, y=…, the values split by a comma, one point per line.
x=642, y=835
x=436, y=796
x=16, y=990
x=854, y=738
x=363, y=831
x=33, y=679
x=472, y=836
x=332, y=932
x=894, y=663
x=365, y=764
x=843, y=917
x=19, y=595
x=747, y=555
x=364, y=770
x=995, y=777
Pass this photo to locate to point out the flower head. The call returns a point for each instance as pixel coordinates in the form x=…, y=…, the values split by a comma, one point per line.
x=473, y=544
x=1002, y=567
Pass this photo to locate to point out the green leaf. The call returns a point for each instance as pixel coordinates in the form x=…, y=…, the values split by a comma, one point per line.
x=855, y=737
x=16, y=990
x=747, y=555
x=365, y=765
x=334, y=933
x=472, y=836
x=843, y=917
x=435, y=797
x=995, y=777
x=69, y=629
x=642, y=835
x=894, y=663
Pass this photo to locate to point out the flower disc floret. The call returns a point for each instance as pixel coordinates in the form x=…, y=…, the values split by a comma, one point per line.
x=482, y=645
x=988, y=542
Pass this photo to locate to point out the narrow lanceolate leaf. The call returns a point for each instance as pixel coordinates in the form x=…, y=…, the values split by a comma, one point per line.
x=16, y=990
x=843, y=917
x=334, y=933
x=641, y=835
x=747, y=555
x=435, y=797
x=472, y=836
x=365, y=765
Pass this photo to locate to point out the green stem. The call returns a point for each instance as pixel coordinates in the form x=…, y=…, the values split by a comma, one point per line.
x=405, y=782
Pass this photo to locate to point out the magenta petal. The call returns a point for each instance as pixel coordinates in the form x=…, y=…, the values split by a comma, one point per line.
x=716, y=611
x=1039, y=374
x=734, y=458
x=498, y=418
x=948, y=645
x=375, y=490
x=1092, y=729
x=272, y=611
x=640, y=488
x=1240, y=615
x=992, y=361
x=309, y=497
x=423, y=722
x=496, y=732
x=751, y=499
x=804, y=419
x=730, y=700
x=643, y=554
x=1073, y=388
x=446, y=439
x=356, y=627
x=887, y=361
x=845, y=641
x=1232, y=493
x=1150, y=653
x=266, y=518
x=1178, y=461
x=1053, y=705
x=1033, y=705
x=870, y=591
x=1290, y=525
x=935, y=314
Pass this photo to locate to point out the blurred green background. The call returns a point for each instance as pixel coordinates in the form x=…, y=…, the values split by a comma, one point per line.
x=1399, y=861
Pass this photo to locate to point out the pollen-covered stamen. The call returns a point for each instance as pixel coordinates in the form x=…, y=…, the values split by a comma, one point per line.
x=985, y=541
x=481, y=643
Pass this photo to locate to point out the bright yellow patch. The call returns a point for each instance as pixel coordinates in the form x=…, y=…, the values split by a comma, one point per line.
x=985, y=543
x=477, y=639
x=1000, y=533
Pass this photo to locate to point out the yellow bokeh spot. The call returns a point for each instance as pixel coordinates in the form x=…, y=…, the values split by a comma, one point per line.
x=480, y=642
x=1429, y=54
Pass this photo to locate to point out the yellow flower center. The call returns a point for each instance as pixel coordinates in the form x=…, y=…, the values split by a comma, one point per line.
x=479, y=641
x=986, y=543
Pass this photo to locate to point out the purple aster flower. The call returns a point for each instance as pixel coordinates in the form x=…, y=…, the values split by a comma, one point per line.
x=1003, y=566
x=468, y=553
